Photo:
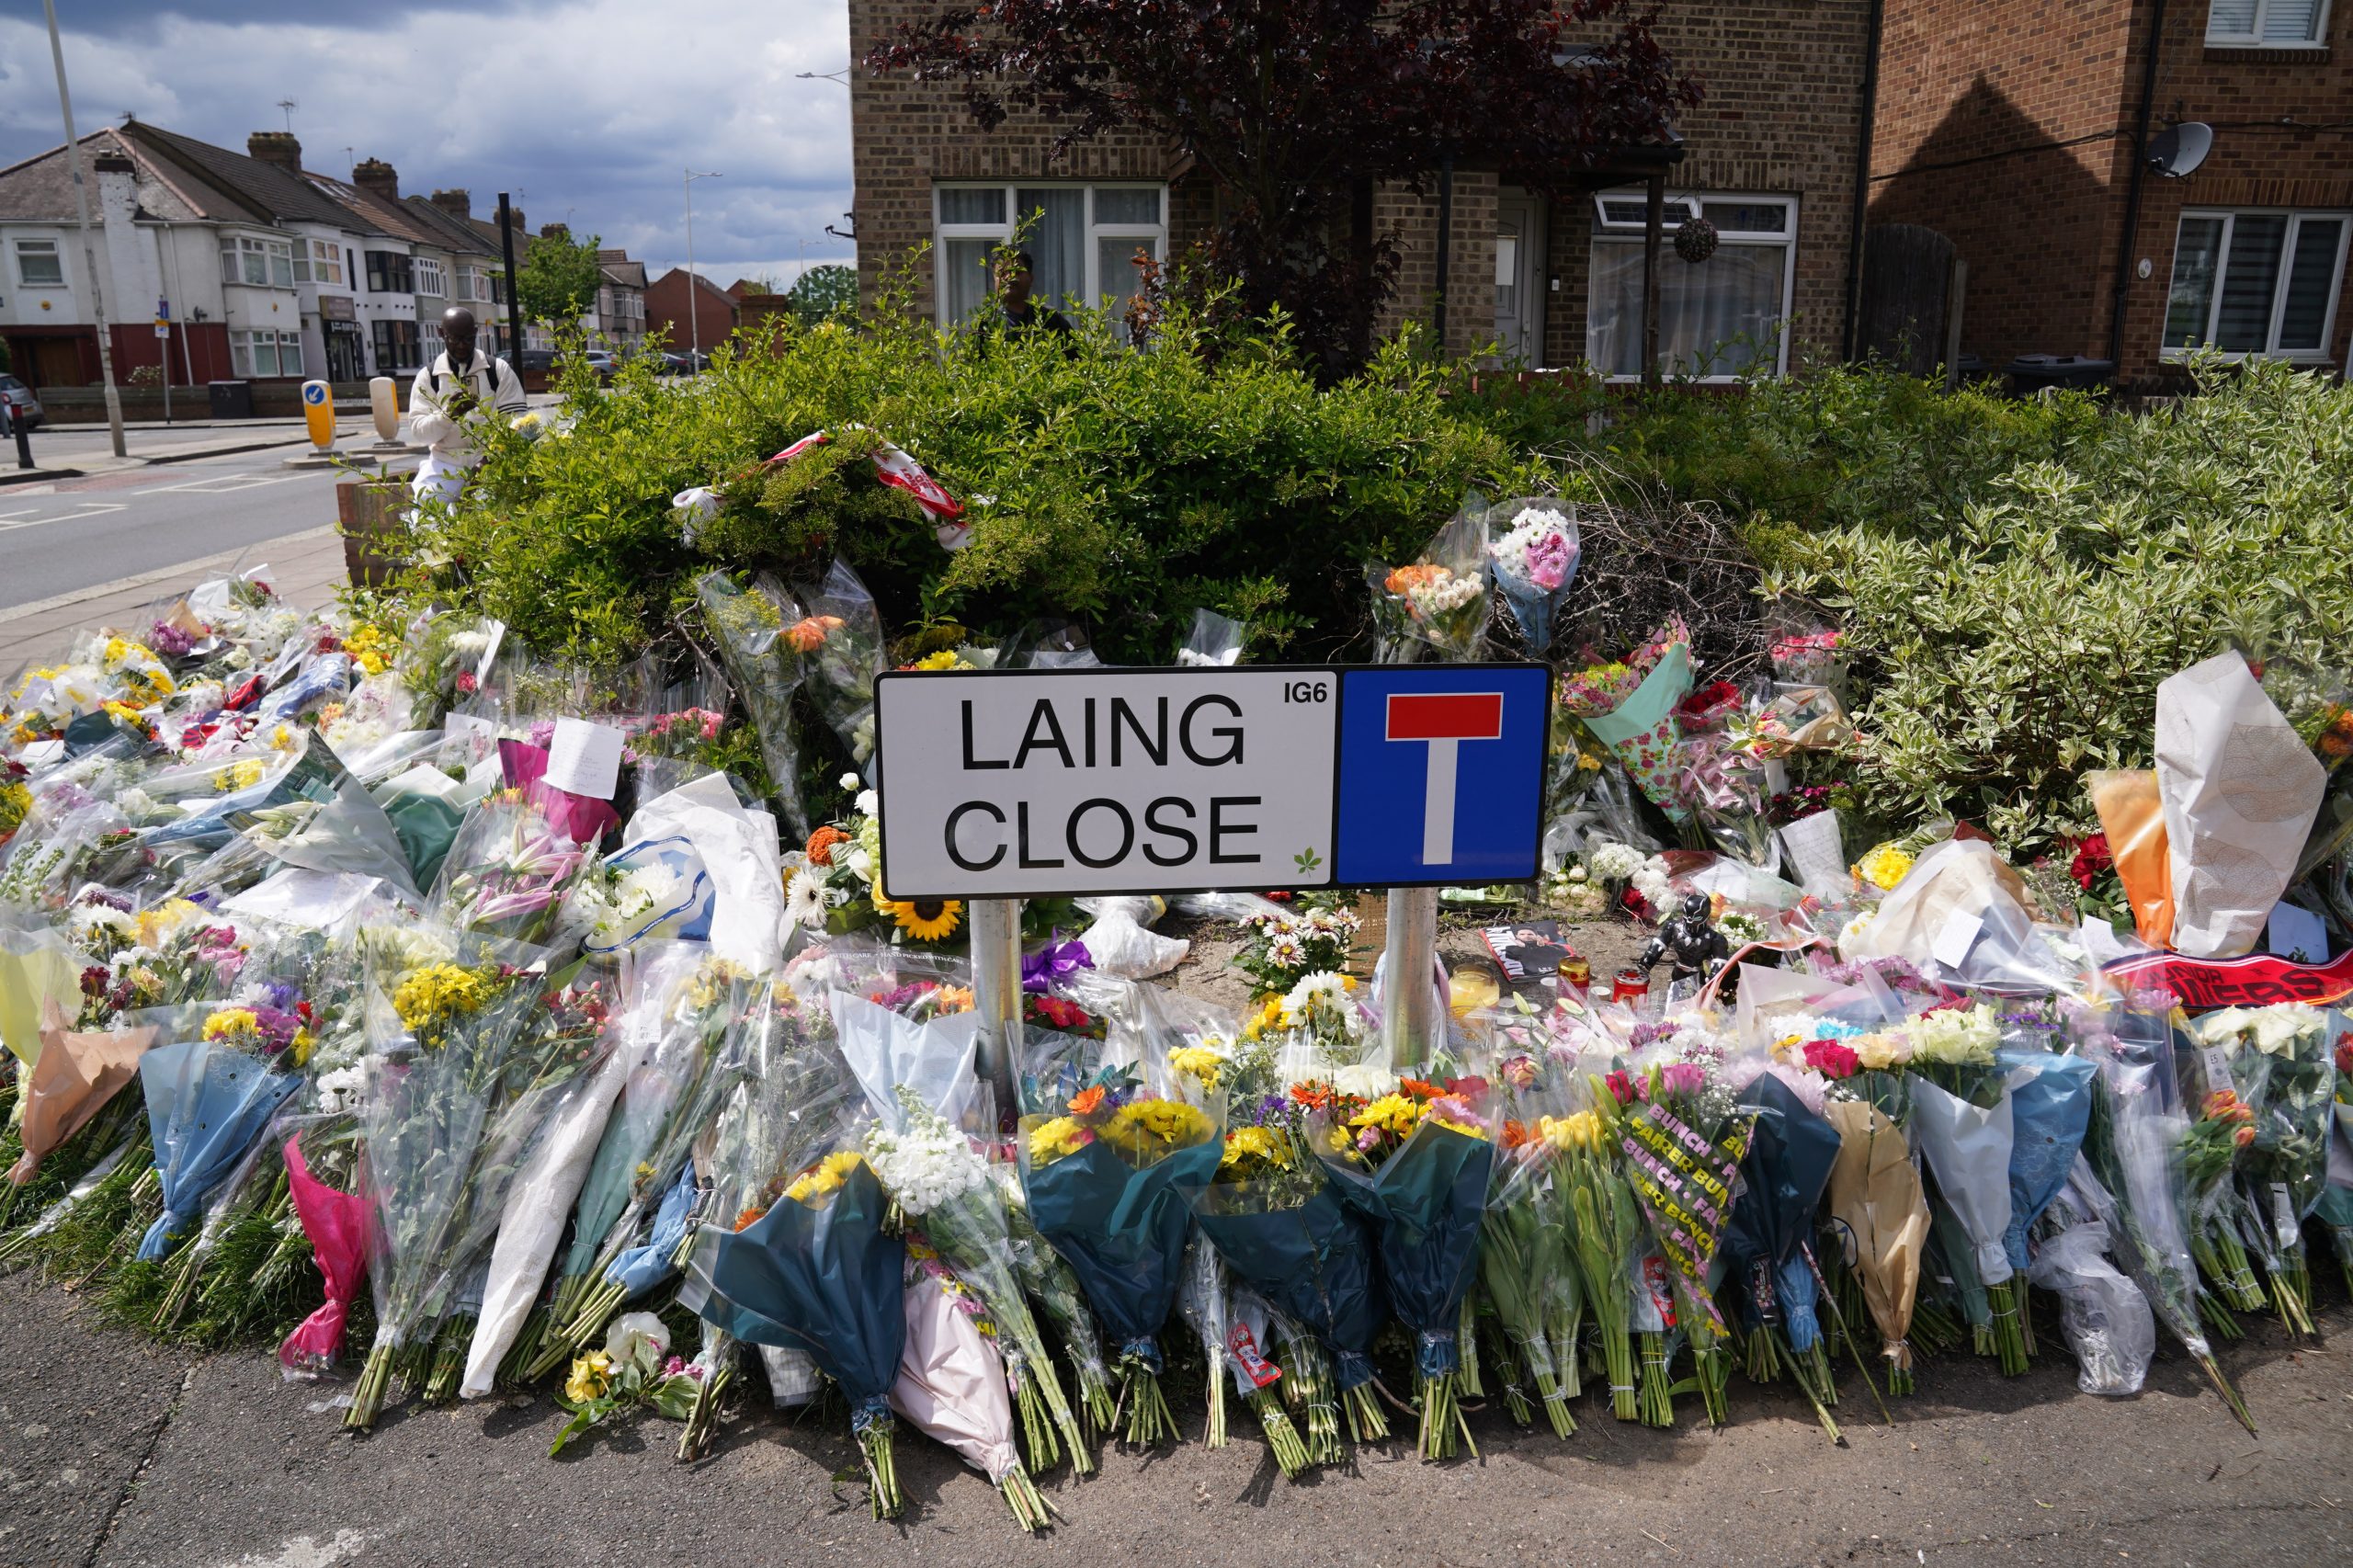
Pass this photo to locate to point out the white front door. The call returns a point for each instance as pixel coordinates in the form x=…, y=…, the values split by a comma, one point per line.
x=1520, y=277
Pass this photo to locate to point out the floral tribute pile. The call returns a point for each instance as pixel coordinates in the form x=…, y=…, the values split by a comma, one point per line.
x=462, y=1021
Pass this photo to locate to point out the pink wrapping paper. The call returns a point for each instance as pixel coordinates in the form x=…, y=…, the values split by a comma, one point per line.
x=583, y=820
x=952, y=1385
x=336, y=1223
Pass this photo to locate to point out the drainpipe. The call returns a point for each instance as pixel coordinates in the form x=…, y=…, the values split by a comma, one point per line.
x=1862, y=181
x=2124, y=245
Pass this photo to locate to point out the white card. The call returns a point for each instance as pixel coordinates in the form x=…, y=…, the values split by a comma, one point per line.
x=489, y=651
x=585, y=759
x=41, y=754
x=2297, y=933
x=1953, y=942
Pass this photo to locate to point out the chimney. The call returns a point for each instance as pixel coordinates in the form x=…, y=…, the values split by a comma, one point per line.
x=556, y=230
x=458, y=204
x=378, y=178
x=276, y=147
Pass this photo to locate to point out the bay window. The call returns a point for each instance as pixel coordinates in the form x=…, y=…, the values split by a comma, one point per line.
x=265, y=353
x=266, y=264
x=427, y=275
x=1720, y=319
x=2259, y=283
x=1083, y=242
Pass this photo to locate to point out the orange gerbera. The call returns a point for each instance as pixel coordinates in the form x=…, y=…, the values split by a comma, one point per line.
x=1418, y=1089
x=750, y=1217
x=1084, y=1102
x=1516, y=1133
x=1314, y=1096
x=821, y=842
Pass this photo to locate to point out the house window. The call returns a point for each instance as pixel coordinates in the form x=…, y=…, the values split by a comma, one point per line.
x=1083, y=241
x=326, y=262
x=266, y=264
x=388, y=272
x=39, y=265
x=396, y=343
x=428, y=277
x=2258, y=283
x=265, y=353
x=1718, y=320
x=2266, y=24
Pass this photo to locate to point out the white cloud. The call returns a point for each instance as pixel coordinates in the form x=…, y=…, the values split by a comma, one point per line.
x=589, y=112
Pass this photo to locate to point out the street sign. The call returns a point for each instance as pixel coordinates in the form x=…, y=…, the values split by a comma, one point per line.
x=1037, y=783
x=162, y=329
x=318, y=413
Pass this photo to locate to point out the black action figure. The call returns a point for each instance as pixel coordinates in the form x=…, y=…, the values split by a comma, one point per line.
x=1698, y=947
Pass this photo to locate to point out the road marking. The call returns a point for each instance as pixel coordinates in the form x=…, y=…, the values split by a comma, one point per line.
x=88, y=510
x=223, y=483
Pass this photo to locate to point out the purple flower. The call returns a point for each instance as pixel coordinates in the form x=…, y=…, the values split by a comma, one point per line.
x=170, y=640
x=1055, y=960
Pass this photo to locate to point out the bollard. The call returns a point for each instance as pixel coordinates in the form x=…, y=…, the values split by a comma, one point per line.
x=24, y=434
x=996, y=926
x=1411, y=1019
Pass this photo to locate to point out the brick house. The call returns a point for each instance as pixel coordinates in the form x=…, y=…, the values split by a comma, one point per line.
x=2013, y=129
x=1773, y=157
x=705, y=325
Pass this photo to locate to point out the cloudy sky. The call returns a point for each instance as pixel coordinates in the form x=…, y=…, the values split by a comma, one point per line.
x=587, y=111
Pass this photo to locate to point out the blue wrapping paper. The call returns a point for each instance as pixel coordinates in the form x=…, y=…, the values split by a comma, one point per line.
x=206, y=1106
x=2050, y=1112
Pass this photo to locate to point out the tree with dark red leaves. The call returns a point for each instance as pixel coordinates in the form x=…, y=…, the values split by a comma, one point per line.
x=1297, y=107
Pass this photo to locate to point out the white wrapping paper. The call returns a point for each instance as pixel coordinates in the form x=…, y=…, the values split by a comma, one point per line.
x=740, y=854
x=1968, y=1151
x=2240, y=790
x=542, y=1199
x=933, y=1060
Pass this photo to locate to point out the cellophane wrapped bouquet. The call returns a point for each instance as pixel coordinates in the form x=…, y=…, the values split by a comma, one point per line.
x=1437, y=605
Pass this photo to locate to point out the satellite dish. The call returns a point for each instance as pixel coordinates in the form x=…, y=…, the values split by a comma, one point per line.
x=2179, y=151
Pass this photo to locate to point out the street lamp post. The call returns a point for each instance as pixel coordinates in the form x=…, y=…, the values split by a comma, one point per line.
x=90, y=254
x=694, y=328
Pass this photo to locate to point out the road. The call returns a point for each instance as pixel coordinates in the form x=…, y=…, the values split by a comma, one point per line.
x=67, y=534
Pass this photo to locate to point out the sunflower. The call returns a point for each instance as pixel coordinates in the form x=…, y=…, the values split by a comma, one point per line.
x=925, y=919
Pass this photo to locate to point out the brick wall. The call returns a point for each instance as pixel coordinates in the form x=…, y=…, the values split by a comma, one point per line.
x=1783, y=80
x=1978, y=98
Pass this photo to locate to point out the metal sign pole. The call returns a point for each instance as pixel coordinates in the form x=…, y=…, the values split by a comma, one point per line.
x=995, y=925
x=1410, y=1020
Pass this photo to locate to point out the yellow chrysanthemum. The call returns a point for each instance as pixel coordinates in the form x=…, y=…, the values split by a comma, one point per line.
x=945, y=659
x=298, y=1049
x=1255, y=1145
x=1143, y=1127
x=1197, y=1063
x=236, y=1025
x=241, y=774
x=124, y=713
x=159, y=925
x=1269, y=1016
x=591, y=1375
x=1050, y=1140
x=428, y=999
x=1391, y=1113
x=713, y=983
x=1883, y=866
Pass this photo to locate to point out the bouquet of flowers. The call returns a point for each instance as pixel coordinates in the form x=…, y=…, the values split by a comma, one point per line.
x=819, y=1271
x=2139, y=1145
x=336, y=1222
x=1534, y=560
x=635, y=1368
x=1629, y=705
x=1053, y=1290
x=1283, y=947
x=1881, y=1212
x=2278, y=1062
x=73, y=1077
x=748, y=626
x=1278, y=1220
x=1105, y=1151
x=642, y=1178
x=207, y=1103
x=952, y=1383
x=1683, y=1140
x=1786, y=1170
x=1523, y=1257
x=941, y=1186
x=1438, y=602
x=509, y=873
x=450, y=1102
x=1416, y=1162
x=1809, y=654
x=841, y=649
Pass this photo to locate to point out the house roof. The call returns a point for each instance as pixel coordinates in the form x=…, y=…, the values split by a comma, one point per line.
x=223, y=185
x=697, y=280
x=381, y=217
x=40, y=190
x=619, y=269
x=455, y=233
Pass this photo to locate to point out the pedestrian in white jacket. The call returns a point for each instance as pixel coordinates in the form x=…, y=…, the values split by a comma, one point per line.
x=447, y=397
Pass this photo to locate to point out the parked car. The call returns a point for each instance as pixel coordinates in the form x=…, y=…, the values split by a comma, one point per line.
x=677, y=364
x=22, y=404
x=602, y=362
x=540, y=359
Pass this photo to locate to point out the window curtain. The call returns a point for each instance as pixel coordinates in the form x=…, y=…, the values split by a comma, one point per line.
x=1719, y=317
x=1056, y=242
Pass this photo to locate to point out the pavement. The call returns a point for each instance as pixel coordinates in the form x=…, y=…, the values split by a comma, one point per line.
x=118, y=1453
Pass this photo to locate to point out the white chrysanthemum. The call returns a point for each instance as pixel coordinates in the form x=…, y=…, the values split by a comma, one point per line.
x=1966, y=1035
x=1613, y=862
x=1286, y=951
x=868, y=803
x=1323, y=985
